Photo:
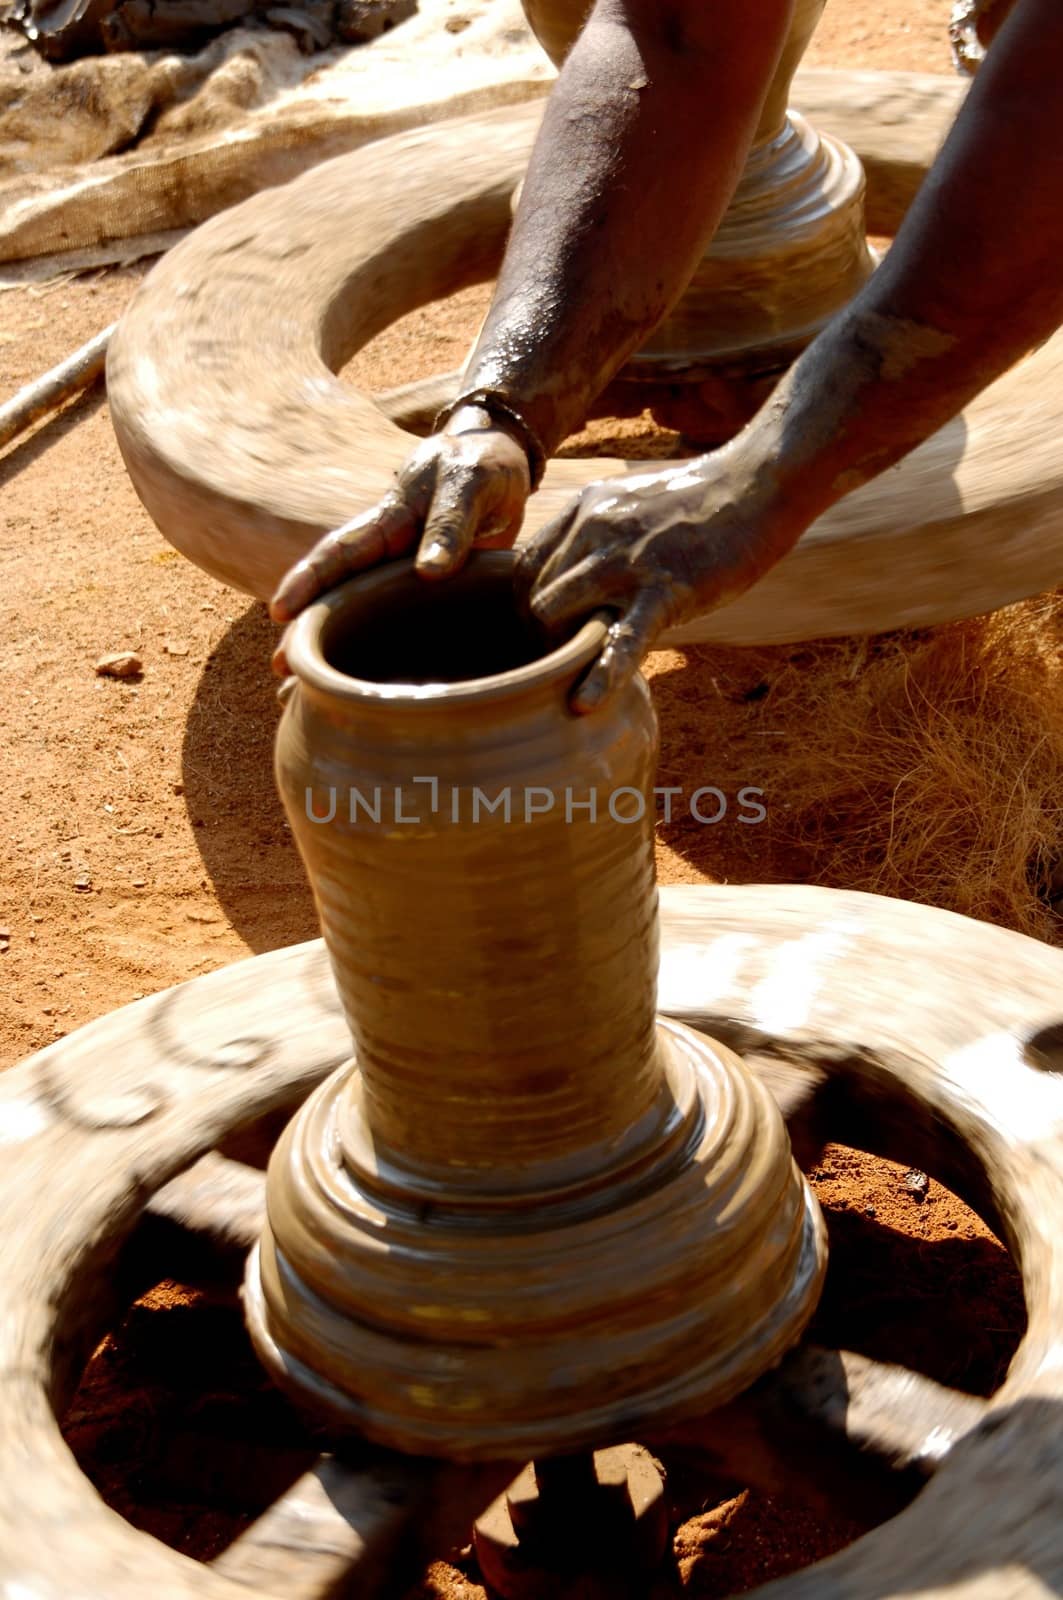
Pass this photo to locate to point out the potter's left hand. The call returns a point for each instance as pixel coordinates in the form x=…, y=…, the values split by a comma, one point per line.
x=654, y=547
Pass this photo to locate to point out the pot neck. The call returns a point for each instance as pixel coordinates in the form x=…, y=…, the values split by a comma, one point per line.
x=394, y=649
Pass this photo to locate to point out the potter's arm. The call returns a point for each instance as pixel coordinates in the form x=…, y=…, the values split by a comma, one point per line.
x=643, y=140
x=973, y=280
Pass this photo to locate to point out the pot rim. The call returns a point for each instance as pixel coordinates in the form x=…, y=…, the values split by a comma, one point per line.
x=306, y=658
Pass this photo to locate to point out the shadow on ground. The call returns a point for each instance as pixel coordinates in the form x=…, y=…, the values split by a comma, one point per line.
x=227, y=768
x=28, y=448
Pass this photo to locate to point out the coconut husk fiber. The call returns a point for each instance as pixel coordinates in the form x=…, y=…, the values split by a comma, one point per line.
x=923, y=765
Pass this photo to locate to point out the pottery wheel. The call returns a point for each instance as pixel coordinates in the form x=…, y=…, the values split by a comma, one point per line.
x=245, y=447
x=906, y=1031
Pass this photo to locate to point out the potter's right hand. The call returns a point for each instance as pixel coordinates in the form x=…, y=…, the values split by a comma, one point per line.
x=463, y=487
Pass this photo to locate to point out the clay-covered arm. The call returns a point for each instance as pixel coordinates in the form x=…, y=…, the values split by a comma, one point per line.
x=974, y=279
x=641, y=145
x=642, y=142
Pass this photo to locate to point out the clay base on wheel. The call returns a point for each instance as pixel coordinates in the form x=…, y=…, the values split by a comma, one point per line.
x=789, y=253
x=489, y=1332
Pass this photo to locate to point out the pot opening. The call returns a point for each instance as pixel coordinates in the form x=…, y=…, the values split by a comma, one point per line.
x=417, y=631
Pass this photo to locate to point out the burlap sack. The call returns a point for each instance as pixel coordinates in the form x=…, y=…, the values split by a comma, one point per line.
x=98, y=154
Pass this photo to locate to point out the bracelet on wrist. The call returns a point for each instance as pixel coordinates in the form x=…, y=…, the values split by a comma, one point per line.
x=499, y=407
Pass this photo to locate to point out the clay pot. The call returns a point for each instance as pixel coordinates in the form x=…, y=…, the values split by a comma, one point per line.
x=528, y=1214
x=513, y=934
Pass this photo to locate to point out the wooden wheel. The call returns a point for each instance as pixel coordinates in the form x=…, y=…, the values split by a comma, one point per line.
x=910, y=1032
x=244, y=446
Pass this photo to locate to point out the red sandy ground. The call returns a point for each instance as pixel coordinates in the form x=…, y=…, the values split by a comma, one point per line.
x=145, y=845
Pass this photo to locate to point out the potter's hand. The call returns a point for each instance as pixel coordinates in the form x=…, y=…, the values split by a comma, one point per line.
x=654, y=547
x=467, y=485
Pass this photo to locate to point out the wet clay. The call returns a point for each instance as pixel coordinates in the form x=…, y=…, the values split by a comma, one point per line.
x=530, y=1215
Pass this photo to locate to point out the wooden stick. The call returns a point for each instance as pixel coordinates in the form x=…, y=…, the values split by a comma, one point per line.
x=47, y=393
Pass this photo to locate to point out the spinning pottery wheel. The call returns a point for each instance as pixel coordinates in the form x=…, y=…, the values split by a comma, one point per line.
x=245, y=447
x=906, y=1031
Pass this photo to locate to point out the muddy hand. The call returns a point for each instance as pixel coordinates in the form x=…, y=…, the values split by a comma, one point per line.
x=653, y=547
x=465, y=486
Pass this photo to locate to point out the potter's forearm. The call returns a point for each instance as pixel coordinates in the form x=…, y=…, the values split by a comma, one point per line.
x=972, y=282
x=641, y=145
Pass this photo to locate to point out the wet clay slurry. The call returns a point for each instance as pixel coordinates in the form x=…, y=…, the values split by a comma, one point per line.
x=532, y=1216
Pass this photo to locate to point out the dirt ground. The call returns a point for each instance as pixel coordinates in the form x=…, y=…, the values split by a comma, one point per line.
x=144, y=845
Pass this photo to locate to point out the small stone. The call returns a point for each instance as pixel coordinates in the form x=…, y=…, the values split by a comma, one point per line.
x=869, y=1211
x=83, y=880
x=917, y=1183
x=120, y=664
x=139, y=883
x=175, y=647
x=178, y=788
